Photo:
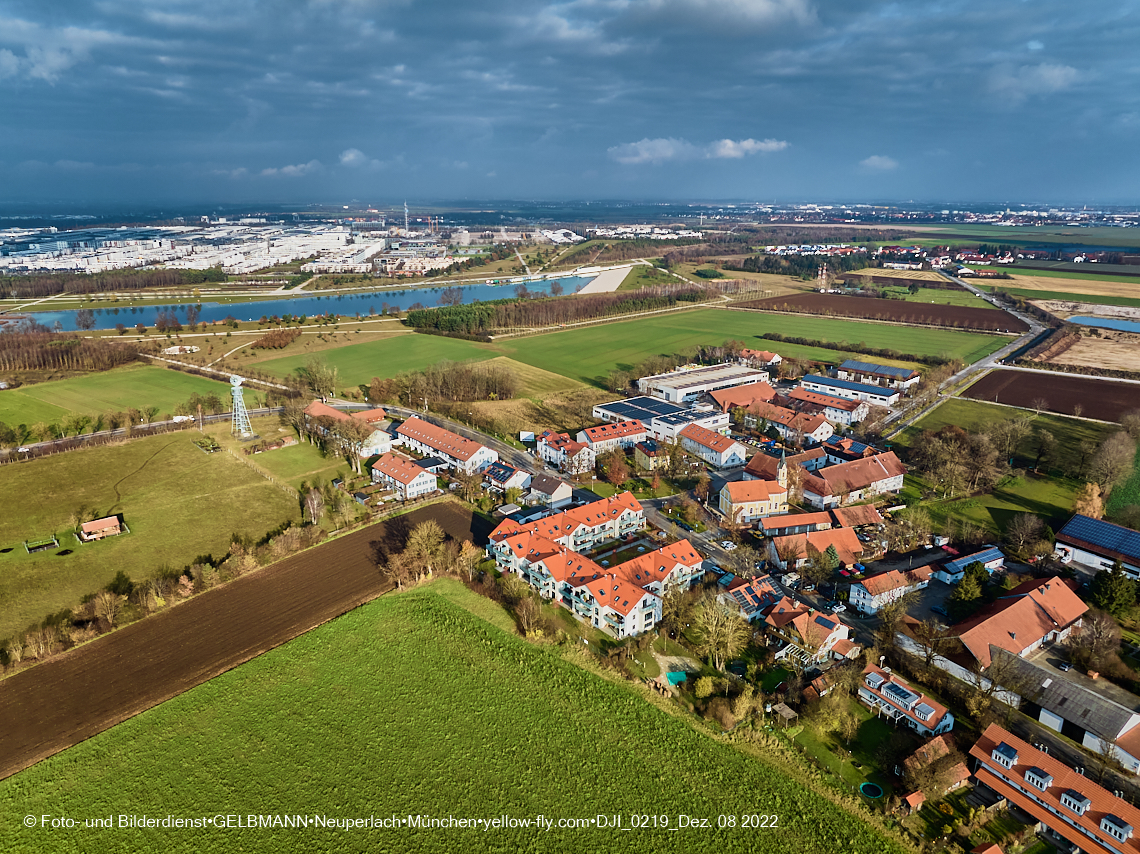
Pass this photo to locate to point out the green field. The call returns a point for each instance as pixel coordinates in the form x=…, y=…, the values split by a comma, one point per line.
x=412, y=705
x=1127, y=492
x=136, y=386
x=588, y=354
x=1095, y=299
x=359, y=363
x=1030, y=235
x=177, y=501
x=301, y=462
x=1076, y=274
x=942, y=296
x=1050, y=498
x=973, y=415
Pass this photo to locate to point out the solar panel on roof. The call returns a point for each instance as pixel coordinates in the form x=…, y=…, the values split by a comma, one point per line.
x=1097, y=532
x=873, y=368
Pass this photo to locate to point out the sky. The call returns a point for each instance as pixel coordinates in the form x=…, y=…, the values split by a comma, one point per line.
x=303, y=101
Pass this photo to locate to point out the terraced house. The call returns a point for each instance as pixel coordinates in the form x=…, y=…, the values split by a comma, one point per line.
x=581, y=528
x=459, y=453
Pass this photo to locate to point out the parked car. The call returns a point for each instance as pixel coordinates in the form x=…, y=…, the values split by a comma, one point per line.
x=1065, y=666
x=727, y=545
x=838, y=607
x=938, y=609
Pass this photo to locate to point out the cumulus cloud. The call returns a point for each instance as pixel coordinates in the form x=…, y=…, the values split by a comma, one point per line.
x=1035, y=45
x=50, y=51
x=661, y=150
x=293, y=171
x=879, y=163
x=1028, y=80
x=735, y=12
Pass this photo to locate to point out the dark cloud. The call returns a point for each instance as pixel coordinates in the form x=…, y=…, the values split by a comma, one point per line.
x=287, y=100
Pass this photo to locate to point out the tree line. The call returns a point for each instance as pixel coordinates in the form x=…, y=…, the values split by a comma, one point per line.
x=804, y=266
x=859, y=347
x=446, y=381
x=30, y=346
x=49, y=284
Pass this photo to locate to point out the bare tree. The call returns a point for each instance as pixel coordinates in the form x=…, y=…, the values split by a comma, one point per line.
x=108, y=606
x=1113, y=462
x=1023, y=531
x=314, y=506
x=932, y=637
x=470, y=556
x=723, y=632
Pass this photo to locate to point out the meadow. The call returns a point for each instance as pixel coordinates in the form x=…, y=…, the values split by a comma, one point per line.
x=136, y=386
x=177, y=501
x=1071, y=296
x=1048, y=497
x=416, y=704
x=942, y=296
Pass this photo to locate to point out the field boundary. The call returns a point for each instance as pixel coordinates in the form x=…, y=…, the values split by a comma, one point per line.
x=858, y=319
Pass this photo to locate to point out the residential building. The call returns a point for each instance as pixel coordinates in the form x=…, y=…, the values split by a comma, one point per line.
x=742, y=397
x=933, y=751
x=952, y=571
x=608, y=437
x=1038, y=612
x=1098, y=544
x=842, y=449
x=810, y=635
x=871, y=594
x=549, y=491
x=760, y=358
x=848, y=483
x=319, y=417
x=870, y=372
x=500, y=477
x=1081, y=713
x=795, y=523
x=875, y=394
x=98, y=529
x=561, y=451
x=884, y=692
x=837, y=410
x=687, y=384
x=403, y=476
x=744, y=501
x=798, y=427
x=794, y=550
x=649, y=455
x=582, y=528
x=460, y=453
x=751, y=596
x=764, y=466
x=1068, y=804
x=714, y=448
x=662, y=420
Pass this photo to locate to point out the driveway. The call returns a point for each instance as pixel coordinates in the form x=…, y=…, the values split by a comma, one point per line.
x=1049, y=657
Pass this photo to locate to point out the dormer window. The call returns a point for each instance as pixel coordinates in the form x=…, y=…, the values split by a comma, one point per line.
x=1116, y=827
x=1038, y=778
x=1075, y=801
x=1004, y=755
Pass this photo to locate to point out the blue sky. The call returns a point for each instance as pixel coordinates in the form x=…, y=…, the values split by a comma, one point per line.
x=292, y=101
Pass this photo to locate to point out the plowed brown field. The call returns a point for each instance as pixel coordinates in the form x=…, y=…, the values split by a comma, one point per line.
x=70, y=698
x=1101, y=399
x=895, y=311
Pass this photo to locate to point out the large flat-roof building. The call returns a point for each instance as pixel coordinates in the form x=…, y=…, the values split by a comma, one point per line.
x=870, y=372
x=663, y=420
x=1098, y=544
x=687, y=384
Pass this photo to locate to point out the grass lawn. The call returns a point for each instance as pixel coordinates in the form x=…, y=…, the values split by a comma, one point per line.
x=413, y=705
x=773, y=678
x=589, y=354
x=301, y=462
x=135, y=386
x=1050, y=498
x=1127, y=492
x=973, y=415
x=830, y=750
x=359, y=363
x=942, y=296
x=177, y=501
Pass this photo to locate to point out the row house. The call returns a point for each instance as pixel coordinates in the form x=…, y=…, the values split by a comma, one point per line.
x=714, y=448
x=607, y=437
x=460, y=453
x=884, y=692
x=582, y=528
x=403, y=476
x=561, y=451
x=837, y=410
x=848, y=483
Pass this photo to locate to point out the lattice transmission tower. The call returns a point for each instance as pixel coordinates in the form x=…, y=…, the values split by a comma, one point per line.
x=241, y=425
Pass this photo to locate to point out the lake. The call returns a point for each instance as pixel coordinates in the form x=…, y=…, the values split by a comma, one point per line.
x=1107, y=323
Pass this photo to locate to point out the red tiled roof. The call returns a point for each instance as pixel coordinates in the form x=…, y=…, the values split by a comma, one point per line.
x=1022, y=617
x=939, y=709
x=859, y=514
x=107, y=523
x=885, y=582
x=614, y=431
x=845, y=540
x=710, y=439
x=743, y=395
x=915, y=799
x=611, y=591
x=759, y=355
x=1101, y=802
x=788, y=520
x=439, y=439
x=562, y=442
x=765, y=466
x=828, y=400
x=399, y=468
x=742, y=491
x=316, y=409
x=565, y=523
x=802, y=421
x=854, y=475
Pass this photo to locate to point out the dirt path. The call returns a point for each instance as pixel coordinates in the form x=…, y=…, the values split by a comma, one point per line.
x=49, y=707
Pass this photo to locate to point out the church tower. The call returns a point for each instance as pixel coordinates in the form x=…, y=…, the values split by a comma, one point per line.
x=782, y=471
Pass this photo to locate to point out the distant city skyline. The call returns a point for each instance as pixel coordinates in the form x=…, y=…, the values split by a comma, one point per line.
x=256, y=103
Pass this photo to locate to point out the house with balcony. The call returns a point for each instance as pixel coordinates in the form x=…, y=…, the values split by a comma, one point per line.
x=607, y=437
x=407, y=479
x=564, y=453
x=871, y=594
x=810, y=636
x=714, y=448
x=885, y=693
x=460, y=453
x=582, y=528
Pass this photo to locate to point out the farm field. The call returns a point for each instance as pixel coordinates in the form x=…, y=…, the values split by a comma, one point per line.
x=1087, y=287
x=972, y=415
x=1066, y=296
x=136, y=386
x=896, y=311
x=1115, y=350
x=588, y=354
x=1086, y=275
x=177, y=501
x=942, y=296
x=1064, y=393
x=885, y=272
x=398, y=708
x=54, y=705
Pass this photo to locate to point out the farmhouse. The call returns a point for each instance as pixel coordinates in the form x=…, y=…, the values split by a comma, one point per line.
x=662, y=420
x=810, y=635
x=714, y=448
x=952, y=571
x=760, y=358
x=875, y=394
x=460, y=454
x=838, y=410
x=607, y=437
x=848, y=483
x=795, y=550
x=98, y=529
x=687, y=384
x=549, y=491
x=560, y=450
x=1057, y=797
x=871, y=594
x=742, y=397
x=884, y=691
x=500, y=477
x=1098, y=544
x=402, y=475
x=744, y=501
x=870, y=372
x=319, y=415
x=763, y=466
x=1038, y=612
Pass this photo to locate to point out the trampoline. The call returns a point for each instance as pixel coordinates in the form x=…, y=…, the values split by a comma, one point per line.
x=871, y=790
